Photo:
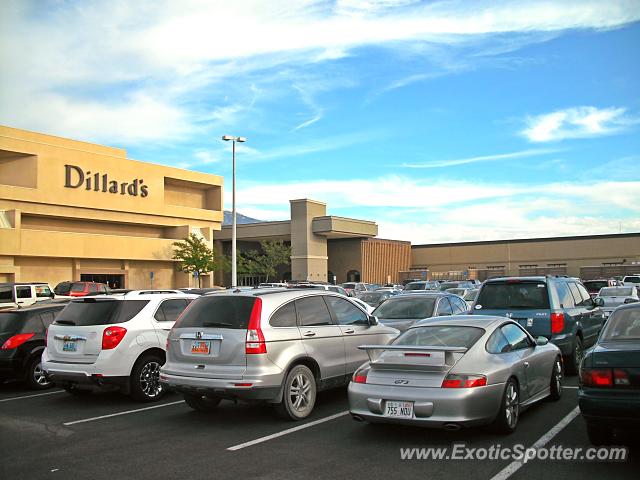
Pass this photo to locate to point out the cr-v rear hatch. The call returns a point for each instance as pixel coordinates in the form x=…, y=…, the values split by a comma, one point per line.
x=211, y=338
x=77, y=334
x=525, y=301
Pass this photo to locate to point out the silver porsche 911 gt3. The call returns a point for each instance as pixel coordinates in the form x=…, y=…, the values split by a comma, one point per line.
x=456, y=371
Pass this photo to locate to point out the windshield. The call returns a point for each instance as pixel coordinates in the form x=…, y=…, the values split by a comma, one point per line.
x=514, y=295
x=370, y=297
x=221, y=311
x=632, y=279
x=616, y=292
x=350, y=286
x=471, y=295
x=440, y=335
x=448, y=285
x=403, y=308
x=457, y=291
x=415, y=286
x=623, y=325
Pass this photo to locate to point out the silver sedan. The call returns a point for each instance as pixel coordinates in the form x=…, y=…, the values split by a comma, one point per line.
x=454, y=372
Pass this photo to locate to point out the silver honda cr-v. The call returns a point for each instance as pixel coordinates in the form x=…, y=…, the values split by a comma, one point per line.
x=277, y=346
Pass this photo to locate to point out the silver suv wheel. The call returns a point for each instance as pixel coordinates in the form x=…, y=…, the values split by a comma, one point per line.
x=299, y=394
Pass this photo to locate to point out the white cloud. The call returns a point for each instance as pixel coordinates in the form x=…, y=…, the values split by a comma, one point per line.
x=180, y=54
x=423, y=211
x=483, y=158
x=577, y=122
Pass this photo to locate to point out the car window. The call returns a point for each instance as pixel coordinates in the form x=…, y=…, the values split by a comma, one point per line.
x=312, y=311
x=444, y=307
x=93, y=288
x=516, y=337
x=346, y=313
x=586, y=298
x=32, y=324
x=440, y=335
x=23, y=292
x=498, y=343
x=564, y=295
x=405, y=307
x=170, y=310
x=47, y=318
x=622, y=326
x=103, y=289
x=78, y=287
x=513, y=294
x=285, y=316
x=83, y=313
x=616, y=292
x=6, y=294
x=575, y=293
x=218, y=311
x=459, y=305
x=43, y=291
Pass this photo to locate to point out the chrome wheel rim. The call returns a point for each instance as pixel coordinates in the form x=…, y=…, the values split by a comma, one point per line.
x=300, y=394
x=39, y=377
x=511, y=405
x=558, y=376
x=150, y=379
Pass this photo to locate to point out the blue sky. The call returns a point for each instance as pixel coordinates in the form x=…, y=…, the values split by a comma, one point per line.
x=441, y=121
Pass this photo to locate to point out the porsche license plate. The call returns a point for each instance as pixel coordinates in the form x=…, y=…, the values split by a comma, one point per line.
x=398, y=409
x=201, y=347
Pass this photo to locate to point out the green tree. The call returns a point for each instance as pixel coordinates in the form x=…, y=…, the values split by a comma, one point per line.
x=272, y=254
x=195, y=256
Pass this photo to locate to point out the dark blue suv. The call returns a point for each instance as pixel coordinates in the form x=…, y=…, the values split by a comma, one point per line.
x=556, y=307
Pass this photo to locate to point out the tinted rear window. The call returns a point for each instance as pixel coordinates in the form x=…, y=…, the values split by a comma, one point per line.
x=512, y=296
x=6, y=294
x=623, y=325
x=404, y=308
x=218, y=311
x=416, y=286
x=77, y=287
x=100, y=313
x=594, y=286
x=441, y=336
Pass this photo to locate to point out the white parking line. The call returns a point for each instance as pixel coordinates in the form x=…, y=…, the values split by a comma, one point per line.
x=514, y=466
x=31, y=396
x=121, y=413
x=288, y=431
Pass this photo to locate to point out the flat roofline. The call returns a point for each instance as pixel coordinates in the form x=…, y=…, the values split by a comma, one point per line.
x=349, y=219
x=253, y=224
x=526, y=240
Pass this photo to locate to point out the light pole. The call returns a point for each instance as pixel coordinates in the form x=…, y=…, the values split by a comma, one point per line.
x=234, y=267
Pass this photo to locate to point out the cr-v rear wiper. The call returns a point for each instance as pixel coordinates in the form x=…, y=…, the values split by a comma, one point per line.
x=65, y=322
x=216, y=324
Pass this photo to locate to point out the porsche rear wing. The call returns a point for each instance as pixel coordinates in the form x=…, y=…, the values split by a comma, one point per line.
x=413, y=351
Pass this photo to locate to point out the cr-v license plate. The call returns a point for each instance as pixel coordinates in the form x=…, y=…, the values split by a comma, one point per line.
x=201, y=347
x=398, y=409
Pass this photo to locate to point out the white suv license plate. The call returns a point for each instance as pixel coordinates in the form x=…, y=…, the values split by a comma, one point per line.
x=69, y=346
x=397, y=409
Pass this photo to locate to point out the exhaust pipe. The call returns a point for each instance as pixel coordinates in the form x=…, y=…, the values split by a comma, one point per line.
x=357, y=418
x=451, y=427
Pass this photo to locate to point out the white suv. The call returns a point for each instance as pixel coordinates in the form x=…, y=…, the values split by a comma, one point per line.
x=112, y=341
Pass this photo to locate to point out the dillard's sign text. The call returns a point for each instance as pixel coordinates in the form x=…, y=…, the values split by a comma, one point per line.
x=75, y=177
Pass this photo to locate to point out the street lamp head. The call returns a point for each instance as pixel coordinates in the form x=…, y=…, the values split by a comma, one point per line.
x=227, y=138
x=241, y=139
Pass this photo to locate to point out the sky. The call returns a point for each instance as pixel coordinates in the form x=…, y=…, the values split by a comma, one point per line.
x=442, y=121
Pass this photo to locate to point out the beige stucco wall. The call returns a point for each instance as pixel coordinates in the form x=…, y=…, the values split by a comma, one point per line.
x=53, y=232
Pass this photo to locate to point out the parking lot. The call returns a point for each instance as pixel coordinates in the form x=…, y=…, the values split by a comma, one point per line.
x=106, y=435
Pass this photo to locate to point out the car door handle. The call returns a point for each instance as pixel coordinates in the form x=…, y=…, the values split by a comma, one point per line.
x=526, y=364
x=309, y=334
x=351, y=330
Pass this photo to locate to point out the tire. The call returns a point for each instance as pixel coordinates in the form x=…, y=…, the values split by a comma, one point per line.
x=34, y=376
x=202, y=403
x=555, y=384
x=299, y=394
x=507, y=419
x=599, y=435
x=573, y=361
x=74, y=390
x=145, y=379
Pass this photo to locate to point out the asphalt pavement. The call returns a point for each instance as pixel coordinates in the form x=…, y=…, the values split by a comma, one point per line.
x=54, y=435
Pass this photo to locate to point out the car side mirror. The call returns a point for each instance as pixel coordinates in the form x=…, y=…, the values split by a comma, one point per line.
x=542, y=341
x=52, y=295
x=598, y=302
x=373, y=321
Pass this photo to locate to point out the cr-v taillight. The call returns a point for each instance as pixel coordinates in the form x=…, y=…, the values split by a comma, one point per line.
x=112, y=336
x=557, y=322
x=255, y=339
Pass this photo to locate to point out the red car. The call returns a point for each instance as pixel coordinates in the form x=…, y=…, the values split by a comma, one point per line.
x=81, y=289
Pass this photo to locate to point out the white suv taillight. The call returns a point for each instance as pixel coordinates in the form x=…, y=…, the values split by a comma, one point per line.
x=255, y=339
x=112, y=336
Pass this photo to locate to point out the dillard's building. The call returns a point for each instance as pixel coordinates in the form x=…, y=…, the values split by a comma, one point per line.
x=72, y=210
